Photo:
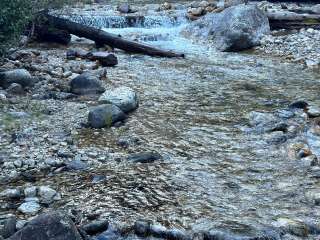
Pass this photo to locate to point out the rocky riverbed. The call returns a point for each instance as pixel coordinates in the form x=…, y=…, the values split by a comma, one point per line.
x=215, y=146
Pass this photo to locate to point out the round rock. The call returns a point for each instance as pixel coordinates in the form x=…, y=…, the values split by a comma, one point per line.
x=86, y=84
x=123, y=97
x=105, y=115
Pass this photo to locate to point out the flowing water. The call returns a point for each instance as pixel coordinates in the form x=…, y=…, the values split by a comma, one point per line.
x=193, y=112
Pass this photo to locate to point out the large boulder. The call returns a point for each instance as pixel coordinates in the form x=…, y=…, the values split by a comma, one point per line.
x=86, y=84
x=236, y=28
x=123, y=97
x=105, y=115
x=19, y=76
x=49, y=226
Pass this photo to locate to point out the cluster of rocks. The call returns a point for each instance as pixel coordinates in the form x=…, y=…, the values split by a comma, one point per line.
x=61, y=225
x=32, y=197
x=295, y=46
x=296, y=127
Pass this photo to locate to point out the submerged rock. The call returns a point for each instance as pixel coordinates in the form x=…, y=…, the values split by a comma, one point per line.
x=19, y=76
x=105, y=115
x=123, y=97
x=49, y=226
x=86, y=84
x=236, y=28
x=144, y=157
x=96, y=227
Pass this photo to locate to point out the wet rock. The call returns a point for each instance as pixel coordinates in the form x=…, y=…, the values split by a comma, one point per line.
x=158, y=231
x=176, y=234
x=96, y=227
x=76, y=165
x=299, y=104
x=311, y=160
x=11, y=193
x=19, y=76
x=29, y=208
x=3, y=98
x=125, y=142
x=230, y=3
x=236, y=28
x=49, y=226
x=47, y=194
x=9, y=227
x=197, y=12
x=105, y=115
x=276, y=138
x=106, y=59
x=30, y=192
x=166, y=6
x=314, y=197
x=15, y=89
x=124, y=8
x=142, y=228
x=144, y=157
x=110, y=234
x=294, y=227
x=218, y=235
x=86, y=84
x=123, y=97
x=98, y=178
x=20, y=224
x=313, y=112
x=19, y=115
x=76, y=53
x=260, y=118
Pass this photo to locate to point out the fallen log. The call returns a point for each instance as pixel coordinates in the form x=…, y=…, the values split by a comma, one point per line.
x=102, y=37
x=291, y=20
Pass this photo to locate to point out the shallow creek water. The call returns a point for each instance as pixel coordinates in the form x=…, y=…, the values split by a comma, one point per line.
x=193, y=112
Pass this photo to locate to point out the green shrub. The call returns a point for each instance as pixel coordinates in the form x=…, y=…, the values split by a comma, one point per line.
x=16, y=14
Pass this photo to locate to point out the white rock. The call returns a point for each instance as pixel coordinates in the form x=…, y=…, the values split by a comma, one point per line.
x=123, y=97
x=30, y=192
x=46, y=194
x=314, y=111
x=29, y=208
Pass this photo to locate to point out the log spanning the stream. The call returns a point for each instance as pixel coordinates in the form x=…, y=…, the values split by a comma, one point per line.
x=112, y=40
x=292, y=20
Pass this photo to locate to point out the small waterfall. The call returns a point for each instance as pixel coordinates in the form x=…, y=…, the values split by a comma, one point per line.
x=103, y=21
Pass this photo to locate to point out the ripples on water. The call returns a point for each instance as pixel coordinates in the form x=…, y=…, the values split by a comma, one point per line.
x=193, y=112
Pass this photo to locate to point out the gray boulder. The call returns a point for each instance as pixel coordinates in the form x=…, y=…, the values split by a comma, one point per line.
x=86, y=84
x=105, y=115
x=236, y=28
x=49, y=226
x=123, y=97
x=20, y=76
